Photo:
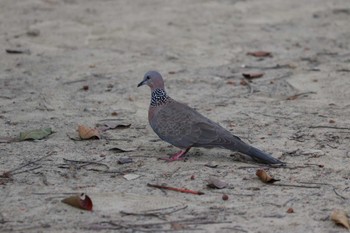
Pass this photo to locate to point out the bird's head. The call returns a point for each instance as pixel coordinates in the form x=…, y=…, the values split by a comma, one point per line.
x=153, y=79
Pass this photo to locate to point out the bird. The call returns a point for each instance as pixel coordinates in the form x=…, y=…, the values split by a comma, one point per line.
x=184, y=127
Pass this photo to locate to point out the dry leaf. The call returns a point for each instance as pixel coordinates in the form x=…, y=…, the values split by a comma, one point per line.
x=341, y=218
x=225, y=197
x=252, y=75
x=81, y=201
x=290, y=210
x=88, y=133
x=260, y=54
x=35, y=134
x=264, y=176
x=112, y=125
x=216, y=183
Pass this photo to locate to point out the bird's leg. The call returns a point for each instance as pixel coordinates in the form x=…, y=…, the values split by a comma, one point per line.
x=177, y=155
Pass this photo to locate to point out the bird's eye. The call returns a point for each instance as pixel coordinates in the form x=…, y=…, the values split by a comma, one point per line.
x=147, y=77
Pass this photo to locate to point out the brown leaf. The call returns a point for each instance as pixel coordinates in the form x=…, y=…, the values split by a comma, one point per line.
x=225, y=197
x=88, y=133
x=252, y=75
x=81, y=201
x=290, y=210
x=260, y=54
x=264, y=176
x=216, y=183
x=341, y=218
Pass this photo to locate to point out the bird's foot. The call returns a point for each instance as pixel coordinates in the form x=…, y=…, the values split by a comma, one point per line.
x=176, y=156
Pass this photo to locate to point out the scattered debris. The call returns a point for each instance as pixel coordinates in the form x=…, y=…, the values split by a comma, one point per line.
x=216, y=183
x=290, y=210
x=125, y=159
x=131, y=176
x=33, y=32
x=225, y=197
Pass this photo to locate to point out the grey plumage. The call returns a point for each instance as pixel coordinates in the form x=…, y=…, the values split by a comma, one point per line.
x=184, y=127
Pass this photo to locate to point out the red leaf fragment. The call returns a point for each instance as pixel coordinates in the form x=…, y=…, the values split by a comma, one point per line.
x=81, y=201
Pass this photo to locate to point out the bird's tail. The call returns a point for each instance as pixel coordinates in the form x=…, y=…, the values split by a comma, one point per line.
x=261, y=156
x=252, y=152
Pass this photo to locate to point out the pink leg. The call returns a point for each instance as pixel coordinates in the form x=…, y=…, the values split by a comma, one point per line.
x=177, y=156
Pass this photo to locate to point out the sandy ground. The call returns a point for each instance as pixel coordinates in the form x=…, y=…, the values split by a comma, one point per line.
x=200, y=47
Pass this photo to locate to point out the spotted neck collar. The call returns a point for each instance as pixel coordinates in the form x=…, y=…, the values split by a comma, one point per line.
x=159, y=97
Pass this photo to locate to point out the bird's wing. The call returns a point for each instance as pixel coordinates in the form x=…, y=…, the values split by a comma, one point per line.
x=182, y=126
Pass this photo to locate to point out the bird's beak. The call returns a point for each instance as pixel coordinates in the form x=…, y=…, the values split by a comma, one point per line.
x=141, y=83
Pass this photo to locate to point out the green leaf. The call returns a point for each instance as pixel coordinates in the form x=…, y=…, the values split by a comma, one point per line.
x=35, y=134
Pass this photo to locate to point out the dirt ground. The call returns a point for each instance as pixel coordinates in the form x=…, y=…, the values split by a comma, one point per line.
x=299, y=111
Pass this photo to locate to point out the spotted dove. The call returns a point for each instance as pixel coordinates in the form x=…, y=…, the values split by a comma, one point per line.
x=184, y=127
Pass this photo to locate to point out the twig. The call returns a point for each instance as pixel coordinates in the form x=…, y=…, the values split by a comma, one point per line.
x=28, y=170
x=334, y=189
x=297, y=186
x=11, y=172
x=277, y=66
x=76, y=81
x=250, y=87
x=150, y=226
x=293, y=97
x=326, y=127
x=336, y=193
x=86, y=163
x=175, y=189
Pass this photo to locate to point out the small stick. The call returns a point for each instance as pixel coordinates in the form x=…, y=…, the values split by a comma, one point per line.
x=297, y=186
x=326, y=127
x=11, y=172
x=175, y=189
